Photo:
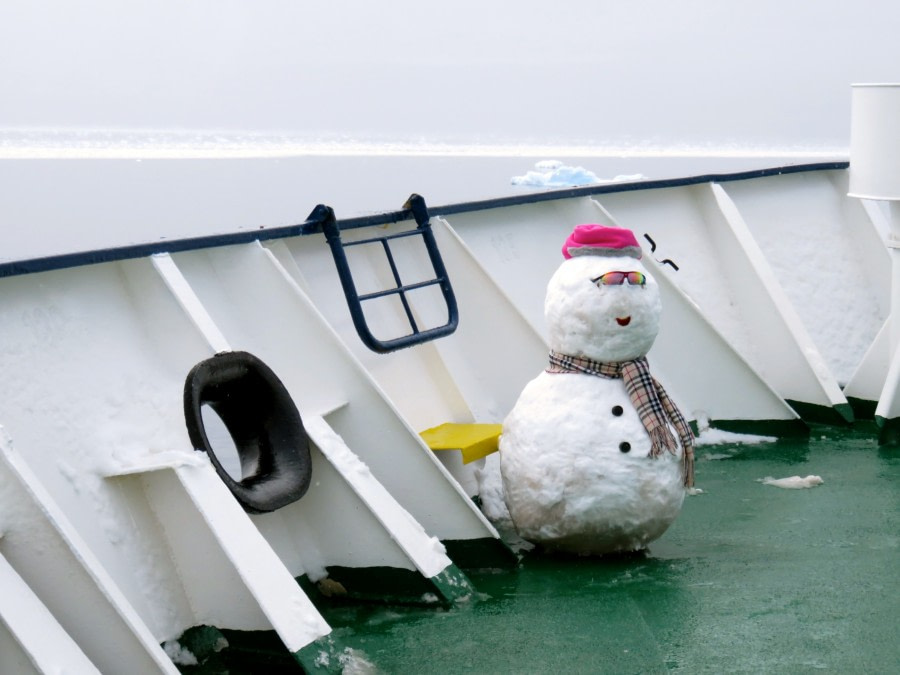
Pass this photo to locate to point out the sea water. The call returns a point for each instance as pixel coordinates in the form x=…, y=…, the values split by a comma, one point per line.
x=77, y=191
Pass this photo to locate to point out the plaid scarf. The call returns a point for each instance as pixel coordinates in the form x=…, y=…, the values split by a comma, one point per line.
x=651, y=401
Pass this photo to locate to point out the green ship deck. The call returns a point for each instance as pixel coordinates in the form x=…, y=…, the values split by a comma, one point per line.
x=751, y=578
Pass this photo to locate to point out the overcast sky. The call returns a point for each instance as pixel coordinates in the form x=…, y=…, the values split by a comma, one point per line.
x=752, y=71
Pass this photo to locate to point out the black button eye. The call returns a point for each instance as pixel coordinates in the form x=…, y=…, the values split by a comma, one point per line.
x=617, y=410
x=624, y=446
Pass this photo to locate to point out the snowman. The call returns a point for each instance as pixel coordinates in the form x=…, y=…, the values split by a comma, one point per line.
x=588, y=456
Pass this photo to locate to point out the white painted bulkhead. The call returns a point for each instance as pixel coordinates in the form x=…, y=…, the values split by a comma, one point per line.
x=116, y=341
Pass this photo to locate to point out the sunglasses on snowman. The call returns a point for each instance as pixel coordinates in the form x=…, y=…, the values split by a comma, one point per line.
x=618, y=278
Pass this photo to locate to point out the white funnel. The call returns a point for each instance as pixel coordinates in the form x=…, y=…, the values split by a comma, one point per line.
x=875, y=174
x=875, y=142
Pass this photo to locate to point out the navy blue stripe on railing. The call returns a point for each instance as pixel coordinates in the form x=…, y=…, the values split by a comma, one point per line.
x=313, y=225
x=607, y=188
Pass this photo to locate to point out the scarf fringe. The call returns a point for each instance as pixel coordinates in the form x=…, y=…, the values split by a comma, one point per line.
x=687, y=465
x=662, y=440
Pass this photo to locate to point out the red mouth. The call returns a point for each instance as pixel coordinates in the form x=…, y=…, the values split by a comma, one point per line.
x=623, y=321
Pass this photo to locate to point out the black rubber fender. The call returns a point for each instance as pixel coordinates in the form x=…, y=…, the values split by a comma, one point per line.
x=264, y=424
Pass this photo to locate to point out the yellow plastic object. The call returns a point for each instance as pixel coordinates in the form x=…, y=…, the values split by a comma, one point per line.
x=473, y=440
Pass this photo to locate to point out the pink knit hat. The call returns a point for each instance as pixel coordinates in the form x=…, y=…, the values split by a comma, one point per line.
x=601, y=240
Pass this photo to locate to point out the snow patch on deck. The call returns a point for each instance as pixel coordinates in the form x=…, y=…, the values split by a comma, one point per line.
x=793, y=482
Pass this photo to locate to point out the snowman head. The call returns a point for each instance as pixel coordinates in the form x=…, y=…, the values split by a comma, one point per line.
x=601, y=303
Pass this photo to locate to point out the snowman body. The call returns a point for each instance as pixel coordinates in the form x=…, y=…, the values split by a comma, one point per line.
x=574, y=452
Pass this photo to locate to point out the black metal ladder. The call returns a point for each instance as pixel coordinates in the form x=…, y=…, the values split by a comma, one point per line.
x=416, y=205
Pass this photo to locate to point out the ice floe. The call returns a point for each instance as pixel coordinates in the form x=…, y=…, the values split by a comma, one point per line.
x=553, y=173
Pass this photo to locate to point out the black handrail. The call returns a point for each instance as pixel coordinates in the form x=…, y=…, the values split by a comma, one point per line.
x=314, y=226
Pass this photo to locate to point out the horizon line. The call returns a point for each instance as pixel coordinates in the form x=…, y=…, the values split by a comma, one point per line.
x=94, y=143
